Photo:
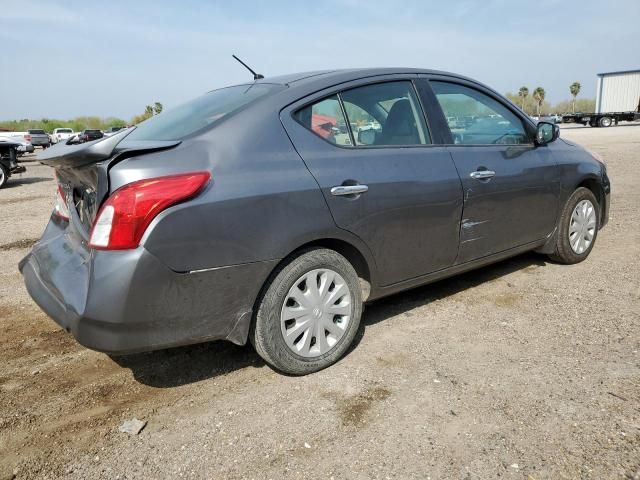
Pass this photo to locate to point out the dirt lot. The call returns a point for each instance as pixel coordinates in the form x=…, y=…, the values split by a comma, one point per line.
x=526, y=369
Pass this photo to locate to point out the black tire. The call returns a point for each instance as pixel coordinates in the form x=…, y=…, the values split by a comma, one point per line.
x=605, y=122
x=563, y=251
x=4, y=175
x=266, y=334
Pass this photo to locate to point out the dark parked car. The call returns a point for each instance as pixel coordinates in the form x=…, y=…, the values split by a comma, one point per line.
x=233, y=217
x=8, y=160
x=111, y=130
x=89, y=135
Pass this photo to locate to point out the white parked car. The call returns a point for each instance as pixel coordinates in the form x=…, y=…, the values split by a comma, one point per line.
x=61, y=134
x=555, y=118
x=370, y=125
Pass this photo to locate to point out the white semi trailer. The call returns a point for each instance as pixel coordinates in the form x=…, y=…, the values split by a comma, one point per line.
x=617, y=100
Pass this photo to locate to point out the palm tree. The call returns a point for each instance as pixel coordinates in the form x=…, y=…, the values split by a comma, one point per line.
x=157, y=107
x=538, y=95
x=523, y=93
x=574, y=88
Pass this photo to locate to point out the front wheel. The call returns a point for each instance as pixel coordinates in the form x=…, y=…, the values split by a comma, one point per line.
x=577, y=228
x=309, y=314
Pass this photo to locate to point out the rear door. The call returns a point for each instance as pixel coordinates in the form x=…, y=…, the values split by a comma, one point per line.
x=511, y=186
x=371, y=151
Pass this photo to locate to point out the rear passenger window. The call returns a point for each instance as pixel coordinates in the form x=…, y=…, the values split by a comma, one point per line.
x=477, y=119
x=325, y=119
x=386, y=114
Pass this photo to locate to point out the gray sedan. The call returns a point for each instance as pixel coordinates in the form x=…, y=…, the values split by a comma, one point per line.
x=270, y=212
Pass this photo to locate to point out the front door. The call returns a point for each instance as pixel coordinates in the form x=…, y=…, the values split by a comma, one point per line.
x=510, y=185
x=370, y=150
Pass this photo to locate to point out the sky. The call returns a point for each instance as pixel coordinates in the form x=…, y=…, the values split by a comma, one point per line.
x=70, y=58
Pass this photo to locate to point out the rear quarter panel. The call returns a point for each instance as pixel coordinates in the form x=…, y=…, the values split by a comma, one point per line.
x=261, y=204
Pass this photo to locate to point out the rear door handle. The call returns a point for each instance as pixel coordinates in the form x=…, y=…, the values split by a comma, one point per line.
x=482, y=174
x=349, y=190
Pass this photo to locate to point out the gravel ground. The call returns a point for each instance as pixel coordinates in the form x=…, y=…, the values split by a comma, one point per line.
x=525, y=369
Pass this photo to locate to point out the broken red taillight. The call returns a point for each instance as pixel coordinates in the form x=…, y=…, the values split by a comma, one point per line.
x=61, y=209
x=124, y=217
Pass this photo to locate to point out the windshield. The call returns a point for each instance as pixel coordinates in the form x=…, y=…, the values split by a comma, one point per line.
x=37, y=132
x=64, y=130
x=193, y=116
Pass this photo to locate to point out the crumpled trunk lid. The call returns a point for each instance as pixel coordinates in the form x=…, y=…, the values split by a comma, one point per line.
x=82, y=172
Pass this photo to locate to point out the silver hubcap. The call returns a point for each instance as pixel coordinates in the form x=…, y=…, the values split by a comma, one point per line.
x=582, y=226
x=1, y=176
x=316, y=312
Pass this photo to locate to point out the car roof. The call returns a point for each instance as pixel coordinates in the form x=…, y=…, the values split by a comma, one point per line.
x=302, y=84
x=347, y=74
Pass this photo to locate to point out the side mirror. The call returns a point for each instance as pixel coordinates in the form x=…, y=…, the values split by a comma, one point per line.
x=367, y=137
x=546, y=133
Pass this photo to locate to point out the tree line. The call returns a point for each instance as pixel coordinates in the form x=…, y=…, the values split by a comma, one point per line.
x=79, y=123
x=535, y=103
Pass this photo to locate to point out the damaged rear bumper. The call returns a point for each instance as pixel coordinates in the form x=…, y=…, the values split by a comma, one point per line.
x=130, y=301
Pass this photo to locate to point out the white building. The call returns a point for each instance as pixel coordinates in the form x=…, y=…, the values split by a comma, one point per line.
x=618, y=92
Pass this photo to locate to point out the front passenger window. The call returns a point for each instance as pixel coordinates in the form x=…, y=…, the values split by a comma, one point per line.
x=477, y=119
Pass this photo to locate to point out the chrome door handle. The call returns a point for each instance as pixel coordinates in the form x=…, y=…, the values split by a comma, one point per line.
x=349, y=190
x=482, y=174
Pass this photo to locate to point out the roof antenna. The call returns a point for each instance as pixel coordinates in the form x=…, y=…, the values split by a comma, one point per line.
x=256, y=76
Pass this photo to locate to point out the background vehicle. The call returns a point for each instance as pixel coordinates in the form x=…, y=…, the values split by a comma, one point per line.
x=38, y=138
x=371, y=125
x=552, y=118
x=605, y=119
x=454, y=122
x=25, y=146
x=110, y=131
x=8, y=161
x=324, y=125
x=233, y=217
x=22, y=145
x=89, y=135
x=74, y=139
x=61, y=134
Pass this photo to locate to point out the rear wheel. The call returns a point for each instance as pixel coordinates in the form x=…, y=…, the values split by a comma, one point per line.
x=577, y=228
x=605, y=122
x=309, y=313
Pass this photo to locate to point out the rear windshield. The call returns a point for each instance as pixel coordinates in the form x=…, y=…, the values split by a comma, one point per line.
x=92, y=131
x=64, y=130
x=37, y=132
x=198, y=114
